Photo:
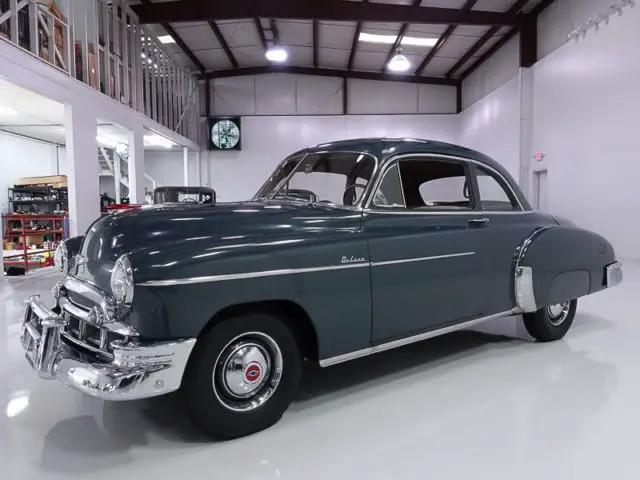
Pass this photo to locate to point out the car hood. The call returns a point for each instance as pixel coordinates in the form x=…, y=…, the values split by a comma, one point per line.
x=163, y=232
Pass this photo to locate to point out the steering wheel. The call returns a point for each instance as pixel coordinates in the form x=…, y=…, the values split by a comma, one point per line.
x=345, y=196
x=188, y=200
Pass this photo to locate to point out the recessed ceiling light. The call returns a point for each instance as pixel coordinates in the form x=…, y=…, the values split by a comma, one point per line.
x=391, y=39
x=8, y=111
x=276, y=54
x=166, y=39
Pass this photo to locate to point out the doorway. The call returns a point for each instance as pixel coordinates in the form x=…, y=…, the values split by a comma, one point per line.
x=540, y=199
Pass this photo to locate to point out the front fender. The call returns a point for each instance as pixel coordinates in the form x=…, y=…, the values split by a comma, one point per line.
x=559, y=263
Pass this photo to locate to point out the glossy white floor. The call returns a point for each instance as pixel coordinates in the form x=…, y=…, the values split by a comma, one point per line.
x=468, y=405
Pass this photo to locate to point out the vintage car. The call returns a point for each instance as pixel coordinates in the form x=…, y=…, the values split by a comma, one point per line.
x=383, y=242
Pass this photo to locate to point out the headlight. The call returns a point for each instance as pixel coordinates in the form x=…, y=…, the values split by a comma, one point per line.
x=60, y=258
x=122, y=281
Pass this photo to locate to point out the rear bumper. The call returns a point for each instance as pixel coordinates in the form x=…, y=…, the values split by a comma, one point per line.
x=613, y=274
x=137, y=370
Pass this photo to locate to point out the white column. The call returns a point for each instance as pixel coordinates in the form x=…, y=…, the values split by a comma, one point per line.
x=83, y=176
x=199, y=183
x=185, y=159
x=136, y=166
x=117, y=176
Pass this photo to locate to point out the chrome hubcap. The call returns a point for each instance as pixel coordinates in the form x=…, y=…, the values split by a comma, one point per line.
x=247, y=372
x=558, y=313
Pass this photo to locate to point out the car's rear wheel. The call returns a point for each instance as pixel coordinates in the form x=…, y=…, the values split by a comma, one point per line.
x=242, y=376
x=552, y=322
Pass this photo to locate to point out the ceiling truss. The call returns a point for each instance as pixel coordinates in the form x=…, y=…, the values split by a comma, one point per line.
x=340, y=10
x=266, y=12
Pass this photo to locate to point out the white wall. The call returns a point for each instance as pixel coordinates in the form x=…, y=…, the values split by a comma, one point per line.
x=492, y=126
x=268, y=139
x=579, y=110
x=492, y=74
x=22, y=157
x=285, y=94
x=562, y=17
x=167, y=167
x=585, y=115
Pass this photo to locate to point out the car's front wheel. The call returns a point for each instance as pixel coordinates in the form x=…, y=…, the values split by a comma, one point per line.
x=552, y=322
x=242, y=376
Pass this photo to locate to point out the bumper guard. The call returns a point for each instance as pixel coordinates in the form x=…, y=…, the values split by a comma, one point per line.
x=137, y=370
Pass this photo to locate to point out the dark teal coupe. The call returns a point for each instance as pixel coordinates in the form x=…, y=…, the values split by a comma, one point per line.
x=348, y=249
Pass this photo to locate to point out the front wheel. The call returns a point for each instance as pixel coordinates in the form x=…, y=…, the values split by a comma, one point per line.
x=242, y=376
x=552, y=322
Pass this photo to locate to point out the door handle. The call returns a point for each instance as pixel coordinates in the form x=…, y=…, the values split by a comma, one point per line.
x=478, y=222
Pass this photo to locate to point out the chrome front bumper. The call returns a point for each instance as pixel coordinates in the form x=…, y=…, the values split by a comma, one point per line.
x=136, y=371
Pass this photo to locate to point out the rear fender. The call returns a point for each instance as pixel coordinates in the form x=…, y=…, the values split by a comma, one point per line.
x=557, y=263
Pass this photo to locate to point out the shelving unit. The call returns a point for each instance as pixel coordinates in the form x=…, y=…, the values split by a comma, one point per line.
x=23, y=232
x=39, y=199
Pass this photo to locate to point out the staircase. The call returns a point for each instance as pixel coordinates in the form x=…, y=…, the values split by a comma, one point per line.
x=107, y=158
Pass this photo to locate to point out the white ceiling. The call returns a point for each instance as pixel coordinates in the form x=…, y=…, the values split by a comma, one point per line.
x=41, y=118
x=334, y=42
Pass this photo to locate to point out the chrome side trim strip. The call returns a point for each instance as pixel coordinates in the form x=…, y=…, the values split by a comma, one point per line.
x=420, y=259
x=289, y=271
x=242, y=276
x=408, y=340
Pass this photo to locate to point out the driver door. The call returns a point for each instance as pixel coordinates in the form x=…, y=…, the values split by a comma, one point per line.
x=428, y=260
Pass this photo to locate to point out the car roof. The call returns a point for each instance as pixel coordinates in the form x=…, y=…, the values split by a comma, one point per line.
x=383, y=148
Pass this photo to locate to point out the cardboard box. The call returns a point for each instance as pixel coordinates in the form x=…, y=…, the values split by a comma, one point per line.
x=52, y=180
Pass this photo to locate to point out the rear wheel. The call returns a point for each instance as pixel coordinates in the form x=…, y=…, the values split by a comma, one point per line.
x=552, y=322
x=242, y=376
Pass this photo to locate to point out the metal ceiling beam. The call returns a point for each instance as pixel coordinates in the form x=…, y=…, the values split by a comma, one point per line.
x=315, y=43
x=223, y=43
x=398, y=42
x=263, y=39
x=514, y=10
x=354, y=44
x=327, y=72
x=183, y=46
x=442, y=40
x=274, y=30
x=205, y=10
x=504, y=40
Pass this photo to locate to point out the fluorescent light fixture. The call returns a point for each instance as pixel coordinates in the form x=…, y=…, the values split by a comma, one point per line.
x=8, y=111
x=155, y=140
x=391, y=39
x=276, y=54
x=399, y=63
x=166, y=39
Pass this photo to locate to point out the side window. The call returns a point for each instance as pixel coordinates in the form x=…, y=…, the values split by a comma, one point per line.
x=389, y=193
x=494, y=195
x=438, y=185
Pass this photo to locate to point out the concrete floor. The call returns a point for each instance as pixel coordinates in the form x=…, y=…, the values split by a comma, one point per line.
x=468, y=405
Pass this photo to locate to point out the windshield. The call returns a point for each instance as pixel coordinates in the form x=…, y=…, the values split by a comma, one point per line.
x=338, y=178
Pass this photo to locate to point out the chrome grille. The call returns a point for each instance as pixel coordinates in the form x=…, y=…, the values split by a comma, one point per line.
x=87, y=336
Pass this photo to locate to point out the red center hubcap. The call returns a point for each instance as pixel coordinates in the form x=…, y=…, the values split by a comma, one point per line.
x=252, y=373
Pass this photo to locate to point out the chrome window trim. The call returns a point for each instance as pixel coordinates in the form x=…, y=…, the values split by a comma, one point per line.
x=371, y=181
x=368, y=207
x=291, y=271
x=408, y=340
